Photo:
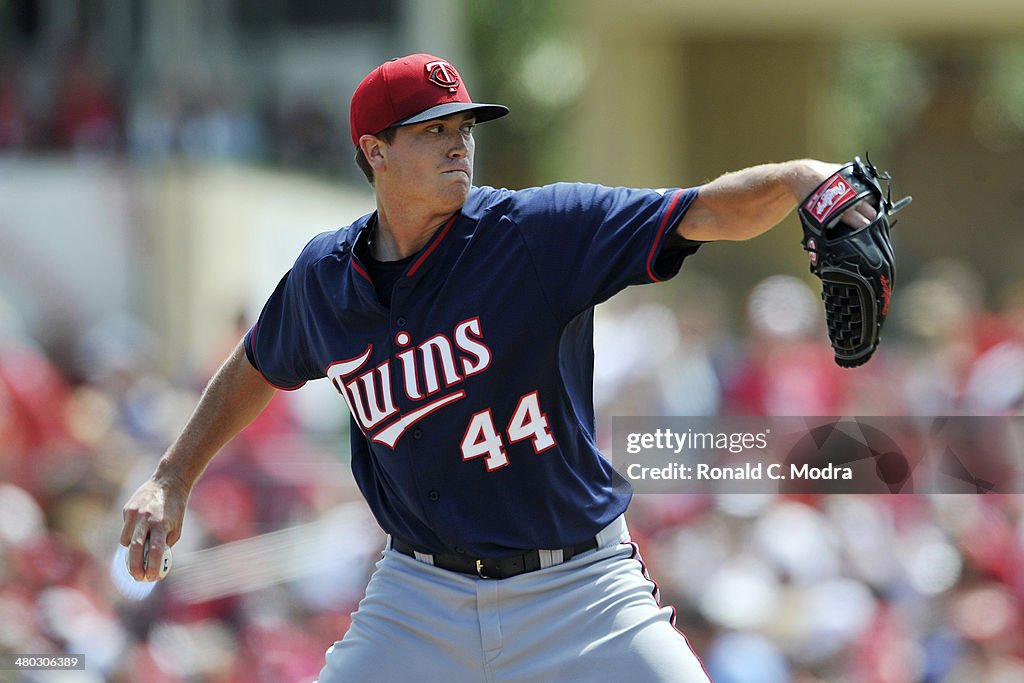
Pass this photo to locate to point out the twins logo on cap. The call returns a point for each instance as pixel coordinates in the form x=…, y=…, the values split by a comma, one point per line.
x=412, y=89
x=443, y=74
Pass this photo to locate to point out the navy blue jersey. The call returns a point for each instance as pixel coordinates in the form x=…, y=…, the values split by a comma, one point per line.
x=472, y=394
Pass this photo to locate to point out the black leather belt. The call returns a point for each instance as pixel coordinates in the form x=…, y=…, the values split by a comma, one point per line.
x=501, y=568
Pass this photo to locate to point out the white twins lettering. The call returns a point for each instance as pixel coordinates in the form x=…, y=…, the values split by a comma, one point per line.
x=426, y=369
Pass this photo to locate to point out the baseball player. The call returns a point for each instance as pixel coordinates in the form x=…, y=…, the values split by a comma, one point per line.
x=455, y=321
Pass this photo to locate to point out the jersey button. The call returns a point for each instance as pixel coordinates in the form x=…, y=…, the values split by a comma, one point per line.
x=417, y=433
x=400, y=321
x=434, y=496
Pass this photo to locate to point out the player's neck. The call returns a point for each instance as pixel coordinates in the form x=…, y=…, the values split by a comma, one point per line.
x=399, y=234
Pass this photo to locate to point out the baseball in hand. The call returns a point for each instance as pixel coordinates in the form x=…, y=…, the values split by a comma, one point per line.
x=165, y=561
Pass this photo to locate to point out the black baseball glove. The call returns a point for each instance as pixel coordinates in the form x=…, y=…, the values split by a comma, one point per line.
x=856, y=265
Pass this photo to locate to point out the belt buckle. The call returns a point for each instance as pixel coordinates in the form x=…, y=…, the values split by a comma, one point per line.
x=480, y=569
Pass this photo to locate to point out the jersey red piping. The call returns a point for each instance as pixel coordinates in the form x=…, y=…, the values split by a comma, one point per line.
x=362, y=271
x=444, y=231
x=651, y=257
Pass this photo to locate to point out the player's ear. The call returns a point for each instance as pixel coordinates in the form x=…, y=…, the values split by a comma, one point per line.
x=372, y=150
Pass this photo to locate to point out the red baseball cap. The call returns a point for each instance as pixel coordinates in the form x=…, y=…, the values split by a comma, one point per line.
x=412, y=89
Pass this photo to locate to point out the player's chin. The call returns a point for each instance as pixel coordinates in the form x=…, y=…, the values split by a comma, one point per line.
x=457, y=178
x=456, y=187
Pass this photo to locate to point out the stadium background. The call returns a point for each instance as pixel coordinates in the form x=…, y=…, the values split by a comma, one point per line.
x=162, y=162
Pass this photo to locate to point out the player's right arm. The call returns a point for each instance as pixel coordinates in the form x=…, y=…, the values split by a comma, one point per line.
x=235, y=396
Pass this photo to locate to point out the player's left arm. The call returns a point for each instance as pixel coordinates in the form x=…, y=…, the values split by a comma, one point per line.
x=743, y=204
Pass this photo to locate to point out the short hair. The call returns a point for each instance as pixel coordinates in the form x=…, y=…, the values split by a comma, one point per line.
x=388, y=136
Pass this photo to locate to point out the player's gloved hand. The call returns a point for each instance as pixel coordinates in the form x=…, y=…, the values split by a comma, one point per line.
x=846, y=225
x=815, y=173
x=153, y=515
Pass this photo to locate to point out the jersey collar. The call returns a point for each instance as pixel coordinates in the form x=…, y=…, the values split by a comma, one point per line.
x=357, y=238
x=431, y=245
x=473, y=209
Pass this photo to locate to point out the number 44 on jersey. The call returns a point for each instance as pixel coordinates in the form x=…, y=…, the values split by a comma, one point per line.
x=528, y=422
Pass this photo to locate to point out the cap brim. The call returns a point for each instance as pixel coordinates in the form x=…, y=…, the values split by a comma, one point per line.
x=484, y=112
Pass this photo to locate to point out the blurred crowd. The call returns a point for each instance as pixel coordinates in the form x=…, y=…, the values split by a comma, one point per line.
x=950, y=348
x=277, y=545
x=76, y=437
x=77, y=104
x=830, y=588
